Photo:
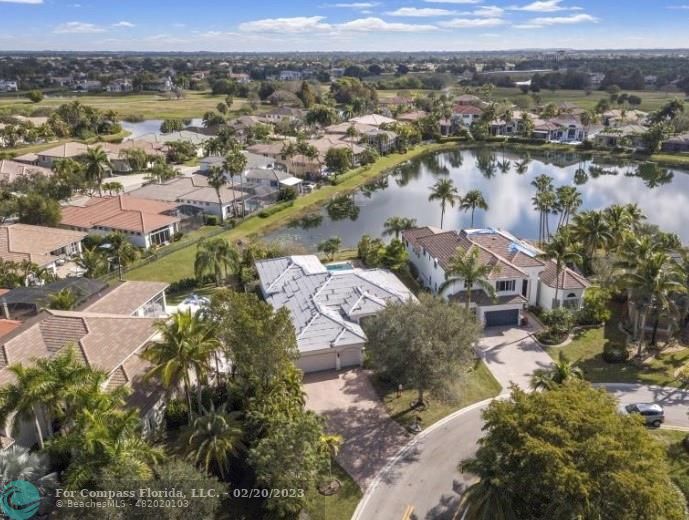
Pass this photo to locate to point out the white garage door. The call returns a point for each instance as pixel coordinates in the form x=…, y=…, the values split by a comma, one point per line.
x=317, y=362
x=350, y=358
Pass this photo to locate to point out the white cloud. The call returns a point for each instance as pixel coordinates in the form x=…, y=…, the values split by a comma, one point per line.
x=471, y=23
x=297, y=24
x=78, y=28
x=33, y=2
x=545, y=6
x=124, y=23
x=563, y=20
x=453, y=1
x=376, y=24
x=489, y=11
x=356, y=5
x=420, y=12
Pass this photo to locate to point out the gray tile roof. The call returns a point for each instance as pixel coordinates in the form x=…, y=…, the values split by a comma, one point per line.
x=325, y=305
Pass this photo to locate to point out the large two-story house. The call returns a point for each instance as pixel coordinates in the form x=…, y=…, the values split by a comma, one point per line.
x=519, y=274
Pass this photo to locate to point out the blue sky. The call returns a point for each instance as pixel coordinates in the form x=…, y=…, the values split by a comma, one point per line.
x=349, y=25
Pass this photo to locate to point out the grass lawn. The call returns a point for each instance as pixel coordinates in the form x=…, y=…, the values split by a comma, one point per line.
x=586, y=350
x=180, y=263
x=478, y=385
x=337, y=507
x=677, y=457
x=651, y=100
x=148, y=105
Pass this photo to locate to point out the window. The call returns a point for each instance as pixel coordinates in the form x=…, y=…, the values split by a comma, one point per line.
x=505, y=285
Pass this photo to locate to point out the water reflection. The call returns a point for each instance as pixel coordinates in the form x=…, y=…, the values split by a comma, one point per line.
x=662, y=194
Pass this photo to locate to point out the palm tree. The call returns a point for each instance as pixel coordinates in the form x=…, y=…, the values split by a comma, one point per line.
x=330, y=446
x=216, y=180
x=215, y=256
x=92, y=262
x=18, y=463
x=473, y=200
x=445, y=191
x=619, y=223
x=560, y=250
x=395, y=225
x=352, y=133
x=592, y=231
x=186, y=345
x=562, y=371
x=467, y=267
x=568, y=202
x=234, y=164
x=25, y=397
x=96, y=166
x=64, y=300
x=212, y=438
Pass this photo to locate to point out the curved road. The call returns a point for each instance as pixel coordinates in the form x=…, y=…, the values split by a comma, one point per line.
x=424, y=474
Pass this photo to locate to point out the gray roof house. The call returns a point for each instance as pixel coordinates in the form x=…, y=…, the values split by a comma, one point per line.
x=326, y=303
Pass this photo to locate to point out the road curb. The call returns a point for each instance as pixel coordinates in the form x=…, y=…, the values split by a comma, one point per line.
x=411, y=444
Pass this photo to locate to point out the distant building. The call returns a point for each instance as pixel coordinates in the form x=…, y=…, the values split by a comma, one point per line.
x=8, y=86
x=120, y=86
x=87, y=85
x=290, y=75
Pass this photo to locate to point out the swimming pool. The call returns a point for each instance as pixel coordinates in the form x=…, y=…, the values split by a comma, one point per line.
x=340, y=266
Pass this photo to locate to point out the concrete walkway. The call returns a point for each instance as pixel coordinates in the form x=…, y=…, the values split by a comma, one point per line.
x=352, y=409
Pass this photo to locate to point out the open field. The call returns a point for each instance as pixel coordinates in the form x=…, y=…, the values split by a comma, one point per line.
x=148, y=106
x=651, y=100
x=180, y=264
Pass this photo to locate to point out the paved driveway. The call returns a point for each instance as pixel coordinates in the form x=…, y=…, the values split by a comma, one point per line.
x=352, y=409
x=512, y=356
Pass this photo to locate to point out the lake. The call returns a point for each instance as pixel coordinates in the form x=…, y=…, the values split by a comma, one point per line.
x=663, y=195
x=149, y=126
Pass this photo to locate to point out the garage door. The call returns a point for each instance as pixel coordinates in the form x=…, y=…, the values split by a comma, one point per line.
x=502, y=318
x=350, y=358
x=317, y=362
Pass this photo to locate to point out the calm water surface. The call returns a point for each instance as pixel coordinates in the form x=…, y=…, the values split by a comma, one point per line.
x=149, y=126
x=663, y=195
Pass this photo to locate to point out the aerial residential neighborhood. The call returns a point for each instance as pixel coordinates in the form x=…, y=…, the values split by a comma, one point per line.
x=344, y=261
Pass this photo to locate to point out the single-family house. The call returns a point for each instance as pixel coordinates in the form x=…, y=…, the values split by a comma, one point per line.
x=284, y=113
x=119, y=86
x=44, y=246
x=326, y=304
x=195, y=138
x=465, y=115
x=144, y=222
x=8, y=85
x=561, y=129
x=677, y=144
x=412, y=117
x=111, y=342
x=468, y=100
x=11, y=171
x=373, y=120
x=290, y=75
x=627, y=136
x=519, y=275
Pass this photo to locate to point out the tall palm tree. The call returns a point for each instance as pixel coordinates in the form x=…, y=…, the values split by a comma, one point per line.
x=560, y=251
x=619, y=223
x=466, y=266
x=212, y=438
x=215, y=256
x=187, y=344
x=96, y=166
x=473, y=200
x=330, y=445
x=395, y=225
x=216, y=180
x=234, y=164
x=650, y=284
x=444, y=191
x=562, y=371
x=64, y=300
x=592, y=231
x=569, y=200
x=92, y=262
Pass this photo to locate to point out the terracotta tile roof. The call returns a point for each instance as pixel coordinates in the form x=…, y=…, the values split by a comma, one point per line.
x=123, y=212
x=34, y=243
x=126, y=298
x=104, y=342
x=467, y=110
x=568, y=278
x=413, y=235
x=7, y=326
x=504, y=246
x=66, y=150
x=10, y=171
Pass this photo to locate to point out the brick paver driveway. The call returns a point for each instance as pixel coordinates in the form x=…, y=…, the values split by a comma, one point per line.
x=512, y=356
x=352, y=409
